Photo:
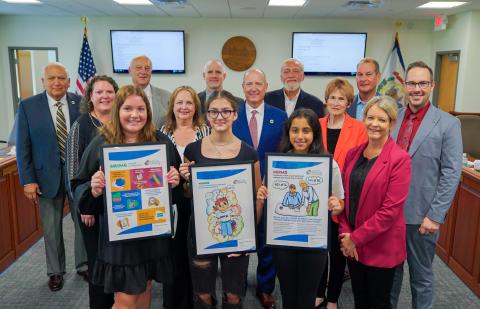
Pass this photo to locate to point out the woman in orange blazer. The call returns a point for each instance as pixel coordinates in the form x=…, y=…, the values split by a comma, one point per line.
x=340, y=133
x=376, y=178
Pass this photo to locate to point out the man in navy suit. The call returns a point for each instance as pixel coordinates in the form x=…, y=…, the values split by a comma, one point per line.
x=291, y=96
x=368, y=76
x=40, y=162
x=260, y=125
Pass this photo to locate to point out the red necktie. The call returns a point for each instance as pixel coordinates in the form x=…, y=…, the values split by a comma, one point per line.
x=253, y=127
x=404, y=141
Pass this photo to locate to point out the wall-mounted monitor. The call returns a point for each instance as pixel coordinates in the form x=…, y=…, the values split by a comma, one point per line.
x=329, y=53
x=166, y=49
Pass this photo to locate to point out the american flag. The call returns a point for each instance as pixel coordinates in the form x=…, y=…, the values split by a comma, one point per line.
x=86, y=67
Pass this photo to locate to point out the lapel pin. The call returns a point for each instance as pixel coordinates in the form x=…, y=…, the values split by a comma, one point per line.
x=271, y=121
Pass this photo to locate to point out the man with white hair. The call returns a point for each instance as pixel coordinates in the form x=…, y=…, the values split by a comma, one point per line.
x=140, y=70
x=43, y=122
x=291, y=96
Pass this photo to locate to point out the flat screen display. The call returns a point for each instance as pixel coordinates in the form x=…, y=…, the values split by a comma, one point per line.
x=329, y=53
x=166, y=49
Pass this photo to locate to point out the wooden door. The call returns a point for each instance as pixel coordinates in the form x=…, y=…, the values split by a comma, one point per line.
x=447, y=82
x=24, y=69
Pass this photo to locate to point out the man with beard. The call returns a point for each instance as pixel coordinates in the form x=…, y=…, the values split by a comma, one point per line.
x=368, y=76
x=291, y=97
x=434, y=141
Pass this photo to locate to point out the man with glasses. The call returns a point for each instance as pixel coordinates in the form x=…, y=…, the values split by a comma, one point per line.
x=260, y=125
x=368, y=76
x=291, y=96
x=434, y=141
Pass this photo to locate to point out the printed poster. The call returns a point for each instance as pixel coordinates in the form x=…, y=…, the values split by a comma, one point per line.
x=137, y=193
x=297, y=204
x=223, y=208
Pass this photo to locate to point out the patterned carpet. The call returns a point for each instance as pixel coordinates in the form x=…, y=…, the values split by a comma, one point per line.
x=24, y=284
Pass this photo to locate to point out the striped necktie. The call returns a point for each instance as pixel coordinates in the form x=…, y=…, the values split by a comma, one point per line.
x=61, y=128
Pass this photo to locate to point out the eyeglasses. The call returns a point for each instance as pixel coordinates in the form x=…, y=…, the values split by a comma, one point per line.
x=213, y=113
x=421, y=85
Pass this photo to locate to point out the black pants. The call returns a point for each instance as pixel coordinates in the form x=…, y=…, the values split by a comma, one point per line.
x=336, y=268
x=371, y=285
x=299, y=273
x=98, y=298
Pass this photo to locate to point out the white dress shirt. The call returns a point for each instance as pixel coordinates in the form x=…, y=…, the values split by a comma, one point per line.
x=53, y=110
x=148, y=93
x=290, y=104
x=259, y=116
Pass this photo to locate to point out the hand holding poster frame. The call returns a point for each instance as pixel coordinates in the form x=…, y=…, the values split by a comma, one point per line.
x=297, y=205
x=223, y=208
x=137, y=196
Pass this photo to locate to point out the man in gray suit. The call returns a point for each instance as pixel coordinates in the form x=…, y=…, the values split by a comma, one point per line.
x=140, y=70
x=434, y=141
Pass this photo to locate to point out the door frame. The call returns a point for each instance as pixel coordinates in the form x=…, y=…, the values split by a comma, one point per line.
x=436, y=75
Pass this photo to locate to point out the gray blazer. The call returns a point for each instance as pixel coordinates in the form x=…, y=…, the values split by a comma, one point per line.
x=160, y=99
x=436, y=153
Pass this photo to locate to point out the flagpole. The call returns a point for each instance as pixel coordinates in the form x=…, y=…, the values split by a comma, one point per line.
x=84, y=20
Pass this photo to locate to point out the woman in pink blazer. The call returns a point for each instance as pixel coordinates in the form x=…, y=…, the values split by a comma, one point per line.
x=372, y=227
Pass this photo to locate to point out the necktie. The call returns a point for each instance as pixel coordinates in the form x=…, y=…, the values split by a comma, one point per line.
x=405, y=139
x=61, y=128
x=253, y=127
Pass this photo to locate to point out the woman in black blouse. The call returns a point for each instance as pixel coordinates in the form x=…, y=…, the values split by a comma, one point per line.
x=220, y=146
x=96, y=106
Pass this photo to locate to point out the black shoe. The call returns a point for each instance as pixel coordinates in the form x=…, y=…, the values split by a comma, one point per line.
x=83, y=274
x=55, y=283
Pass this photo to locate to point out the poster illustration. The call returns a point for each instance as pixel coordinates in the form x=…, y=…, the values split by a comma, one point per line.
x=297, y=203
x=223, y=208
x=137, y=194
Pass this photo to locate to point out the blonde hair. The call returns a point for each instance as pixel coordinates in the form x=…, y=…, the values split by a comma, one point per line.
x=342, y=85
x=171, y=121
x=385, y=103
x=113, y=130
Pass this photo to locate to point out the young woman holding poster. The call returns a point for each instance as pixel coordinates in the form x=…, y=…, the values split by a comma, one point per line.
x=221, y=146
x=126, y=268
x=299, y=271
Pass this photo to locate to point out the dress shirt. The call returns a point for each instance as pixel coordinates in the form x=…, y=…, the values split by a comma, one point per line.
x=148, y=93
x=259, y=116
x=53, y=110
x=290, y=104
x=416, y=123
x=360, y=107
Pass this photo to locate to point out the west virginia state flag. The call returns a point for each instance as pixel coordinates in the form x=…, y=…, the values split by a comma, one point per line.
x=392, y=81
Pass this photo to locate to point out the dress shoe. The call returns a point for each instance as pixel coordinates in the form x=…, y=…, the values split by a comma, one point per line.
x=55, y=283
x=84, y=274
x=266, y=300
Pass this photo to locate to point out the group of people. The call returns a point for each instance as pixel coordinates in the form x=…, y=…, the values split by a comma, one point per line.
x=394, y=175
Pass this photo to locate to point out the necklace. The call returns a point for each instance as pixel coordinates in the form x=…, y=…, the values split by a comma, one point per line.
x=217, y=149
x=97, y=123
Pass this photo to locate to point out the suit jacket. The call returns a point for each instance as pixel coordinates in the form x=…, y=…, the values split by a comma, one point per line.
x=436, y=153
x=379, y=233
x=38, y=155
x=160, y=99
x=203, y=97
x=352, y=109
x=305, y=100
x=352, y=134
x=272, y=129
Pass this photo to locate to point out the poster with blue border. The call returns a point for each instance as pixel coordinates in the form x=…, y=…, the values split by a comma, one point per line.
x=223, y=212
x=137, y=195
x=297, y=203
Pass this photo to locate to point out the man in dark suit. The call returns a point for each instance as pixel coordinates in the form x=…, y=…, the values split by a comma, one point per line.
x=260, y=125
x=368, y=76
x=433, y=139
x=291, y=96
x=214, y=74
x=43, y=123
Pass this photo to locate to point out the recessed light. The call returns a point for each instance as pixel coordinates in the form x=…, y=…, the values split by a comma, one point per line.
x=23, y=1
x=133, y=2
x=286, y=2
x=441, y=5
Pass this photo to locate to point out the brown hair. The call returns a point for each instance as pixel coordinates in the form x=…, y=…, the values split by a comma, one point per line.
x=342, y=85
x=372, y=61
x=419, y=64
x=223, y=94
x=86, y=104
x=171, y=121
x=113, y=130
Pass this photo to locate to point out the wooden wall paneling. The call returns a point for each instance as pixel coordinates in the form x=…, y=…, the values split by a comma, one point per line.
x=445, y=240
x=7, y=241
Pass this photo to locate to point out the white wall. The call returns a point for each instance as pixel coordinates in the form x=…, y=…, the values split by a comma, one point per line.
x=204, y=40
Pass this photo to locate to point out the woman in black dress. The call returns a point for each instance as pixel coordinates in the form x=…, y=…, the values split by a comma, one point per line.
x=96, y=106
x=126, y=268
x=220, y=146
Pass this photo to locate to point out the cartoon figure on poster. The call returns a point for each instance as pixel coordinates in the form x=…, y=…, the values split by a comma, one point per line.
x=303, y=203
x=224, y=214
